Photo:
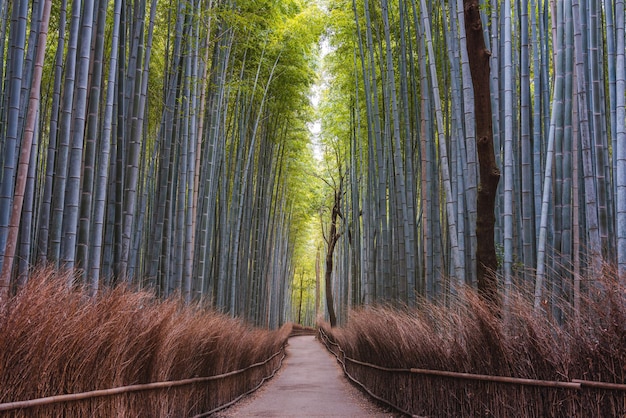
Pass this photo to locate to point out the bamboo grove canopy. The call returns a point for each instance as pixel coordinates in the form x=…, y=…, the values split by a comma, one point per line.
x=166, y=144
x=399, y=109
x=169, y=139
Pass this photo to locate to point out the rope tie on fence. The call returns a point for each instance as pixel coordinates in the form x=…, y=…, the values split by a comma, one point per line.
x=146, y=386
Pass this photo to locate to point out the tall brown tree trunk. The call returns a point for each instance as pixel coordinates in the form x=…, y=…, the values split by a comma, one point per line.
x=301, y=294
x=486, y=261
x=317, y=282
x=331, y=241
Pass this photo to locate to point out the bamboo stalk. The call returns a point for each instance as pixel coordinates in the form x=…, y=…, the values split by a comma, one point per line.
x=24, y=160
x=600, y=385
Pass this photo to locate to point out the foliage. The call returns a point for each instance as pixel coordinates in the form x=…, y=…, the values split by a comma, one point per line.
x=546, y=79
x=205, y=119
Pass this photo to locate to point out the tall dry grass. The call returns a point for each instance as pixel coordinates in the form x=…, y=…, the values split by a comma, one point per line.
x=57, y=341
x=468, y=337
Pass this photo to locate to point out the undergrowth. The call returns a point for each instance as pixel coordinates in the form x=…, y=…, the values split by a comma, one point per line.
x=469, y=336
x=56, y=341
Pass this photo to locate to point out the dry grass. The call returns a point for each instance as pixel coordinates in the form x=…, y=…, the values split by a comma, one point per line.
x=298, y=330
x=55, y=341
x=468, y=337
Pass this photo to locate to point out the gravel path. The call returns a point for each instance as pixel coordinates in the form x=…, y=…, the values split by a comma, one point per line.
x=310, y=384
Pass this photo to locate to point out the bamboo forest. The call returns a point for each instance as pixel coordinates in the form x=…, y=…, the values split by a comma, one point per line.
x=433, y=191
x=280, y=160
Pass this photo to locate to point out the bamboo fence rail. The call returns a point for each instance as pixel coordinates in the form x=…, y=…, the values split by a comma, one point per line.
x=574, y=384
x=341, y=356
x=8, y=406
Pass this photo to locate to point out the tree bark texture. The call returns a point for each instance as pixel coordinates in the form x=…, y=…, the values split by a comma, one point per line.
x=333, y=237
x=486, y=261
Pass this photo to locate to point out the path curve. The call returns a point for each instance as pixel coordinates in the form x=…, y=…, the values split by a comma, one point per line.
x=310, y=384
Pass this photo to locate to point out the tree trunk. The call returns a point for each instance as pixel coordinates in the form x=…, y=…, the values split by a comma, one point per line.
x=621, y=139
x=486, y=260
x=589, y=173
x=10, y=139
x=458, y=271
x=333, y=237
x=71, y=217
x=24, y=159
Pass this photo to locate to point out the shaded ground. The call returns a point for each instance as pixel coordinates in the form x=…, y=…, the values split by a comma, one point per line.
x=310, y=384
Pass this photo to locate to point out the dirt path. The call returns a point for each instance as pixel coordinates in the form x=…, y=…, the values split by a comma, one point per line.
x=310, y=384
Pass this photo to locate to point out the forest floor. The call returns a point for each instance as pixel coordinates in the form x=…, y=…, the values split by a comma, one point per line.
x=310, y=384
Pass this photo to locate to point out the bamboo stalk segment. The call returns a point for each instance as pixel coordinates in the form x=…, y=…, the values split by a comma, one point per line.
x=499, y=379
x=600, y=385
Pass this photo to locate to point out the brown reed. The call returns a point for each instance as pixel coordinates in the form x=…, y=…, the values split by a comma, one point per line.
x=469, y=336
x=55, y=340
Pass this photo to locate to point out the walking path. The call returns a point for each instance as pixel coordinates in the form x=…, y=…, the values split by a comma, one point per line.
x=310, y=384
